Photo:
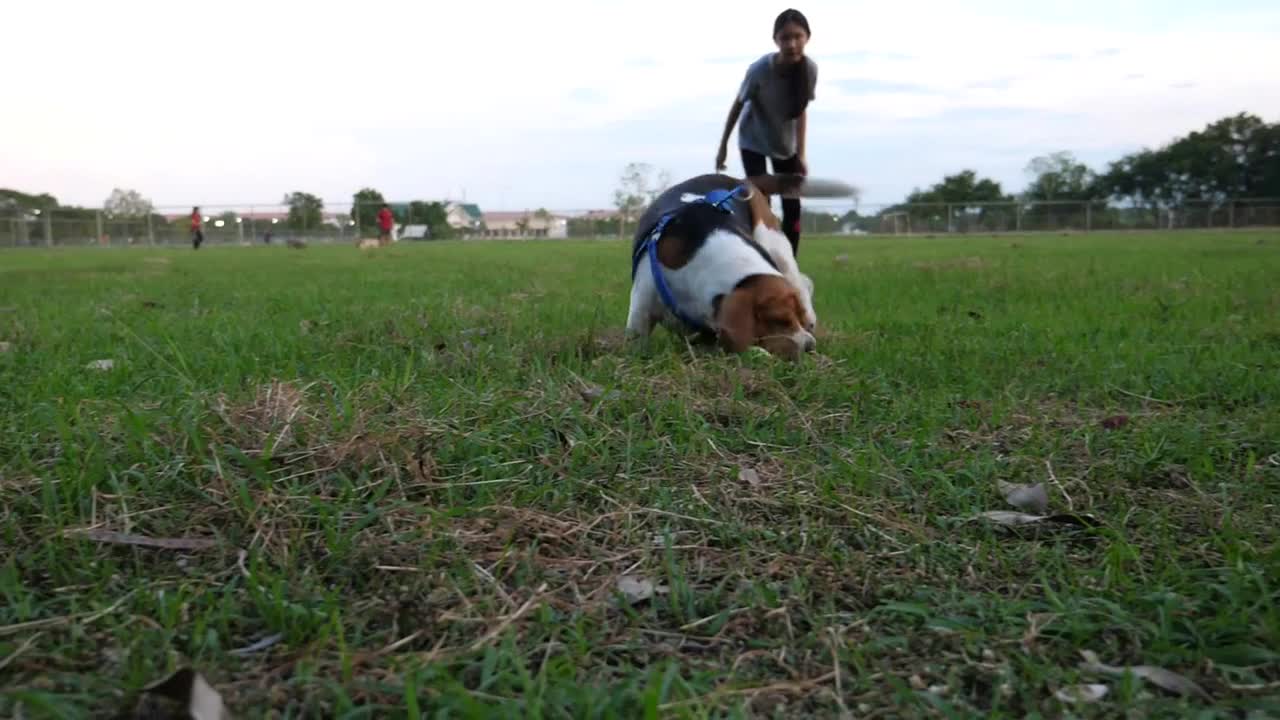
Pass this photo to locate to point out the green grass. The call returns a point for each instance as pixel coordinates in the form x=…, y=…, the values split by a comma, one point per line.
x=425, y=469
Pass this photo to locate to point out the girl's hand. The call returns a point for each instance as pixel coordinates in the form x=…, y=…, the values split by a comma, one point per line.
x=721, y=157
x=802, y=166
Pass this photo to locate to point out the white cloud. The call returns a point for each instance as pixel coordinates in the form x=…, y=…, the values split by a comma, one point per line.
x=542, y=105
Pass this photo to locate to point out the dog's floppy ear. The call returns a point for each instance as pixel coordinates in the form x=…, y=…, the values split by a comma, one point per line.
x=736, y=320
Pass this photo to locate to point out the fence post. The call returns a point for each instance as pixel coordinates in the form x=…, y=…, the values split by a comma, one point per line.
x=1231, y=214
x=1018, y=215
x=1088, y=216
x=950, y=217
x=97, y=218
x=48, y=227
x=151, y=233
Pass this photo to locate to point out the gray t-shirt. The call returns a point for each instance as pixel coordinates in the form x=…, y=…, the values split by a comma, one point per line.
x=764, y=127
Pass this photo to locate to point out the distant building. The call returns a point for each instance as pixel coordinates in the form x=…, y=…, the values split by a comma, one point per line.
x=593, y=215
x=525, y=224
x=464, y=217
x=415, y=232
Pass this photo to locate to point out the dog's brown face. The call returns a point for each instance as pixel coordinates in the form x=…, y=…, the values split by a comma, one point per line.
x=764, y=311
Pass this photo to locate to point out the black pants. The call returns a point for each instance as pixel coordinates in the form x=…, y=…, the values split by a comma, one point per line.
x=197, y=237
x=753, y=164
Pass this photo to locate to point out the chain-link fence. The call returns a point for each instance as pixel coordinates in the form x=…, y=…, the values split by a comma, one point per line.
x=220, y=225
x=1038, y=217
x=269, y=224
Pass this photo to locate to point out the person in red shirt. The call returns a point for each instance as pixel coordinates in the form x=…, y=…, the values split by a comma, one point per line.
x=197, y=228
x=385, y=223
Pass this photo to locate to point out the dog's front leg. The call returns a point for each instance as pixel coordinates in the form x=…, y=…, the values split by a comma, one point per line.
x=645, y=305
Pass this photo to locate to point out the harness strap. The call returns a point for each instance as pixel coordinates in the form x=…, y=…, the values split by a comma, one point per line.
x=720, y=200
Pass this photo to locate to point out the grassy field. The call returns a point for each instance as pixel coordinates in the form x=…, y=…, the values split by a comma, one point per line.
x=432, y=481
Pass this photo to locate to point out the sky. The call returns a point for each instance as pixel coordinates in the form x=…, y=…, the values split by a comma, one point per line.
x=516, y=106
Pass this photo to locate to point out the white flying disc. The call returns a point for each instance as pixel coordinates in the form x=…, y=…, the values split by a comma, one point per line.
x=825, y=188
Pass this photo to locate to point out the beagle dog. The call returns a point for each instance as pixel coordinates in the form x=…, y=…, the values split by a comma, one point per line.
x=709, y=257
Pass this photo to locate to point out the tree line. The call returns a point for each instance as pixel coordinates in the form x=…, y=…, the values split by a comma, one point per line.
x=1236, y=157
x=305, y=211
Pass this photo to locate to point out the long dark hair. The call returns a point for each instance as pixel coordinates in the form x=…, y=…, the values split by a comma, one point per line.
x=798, y=76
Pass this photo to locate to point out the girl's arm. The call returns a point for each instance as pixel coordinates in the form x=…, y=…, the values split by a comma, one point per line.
x=734, y=113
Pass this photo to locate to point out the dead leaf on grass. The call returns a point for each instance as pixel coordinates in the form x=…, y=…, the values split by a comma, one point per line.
x=1158, y=676
x=118, y=538
x=842, y=259
x=1027, y=498
x=604, y=341
x=189, y=688
x=749, y=476
x=1008, y=518
x=5, y=347
x=101, y=365
x=1036, y=622
x=638, y=589
x=1082, y=694
x=659, y=540
x=565, y=441
x=1115, y=422
x=591, y=393
x=258, y=646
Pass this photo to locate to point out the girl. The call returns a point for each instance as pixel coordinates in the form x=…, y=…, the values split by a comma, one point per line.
x=772, y=104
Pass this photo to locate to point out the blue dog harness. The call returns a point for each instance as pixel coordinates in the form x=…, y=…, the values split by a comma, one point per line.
x=718, y=199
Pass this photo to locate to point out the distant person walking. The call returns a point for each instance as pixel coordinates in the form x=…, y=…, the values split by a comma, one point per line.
x=773, y=104
x=197, y=228
x=386, y=221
